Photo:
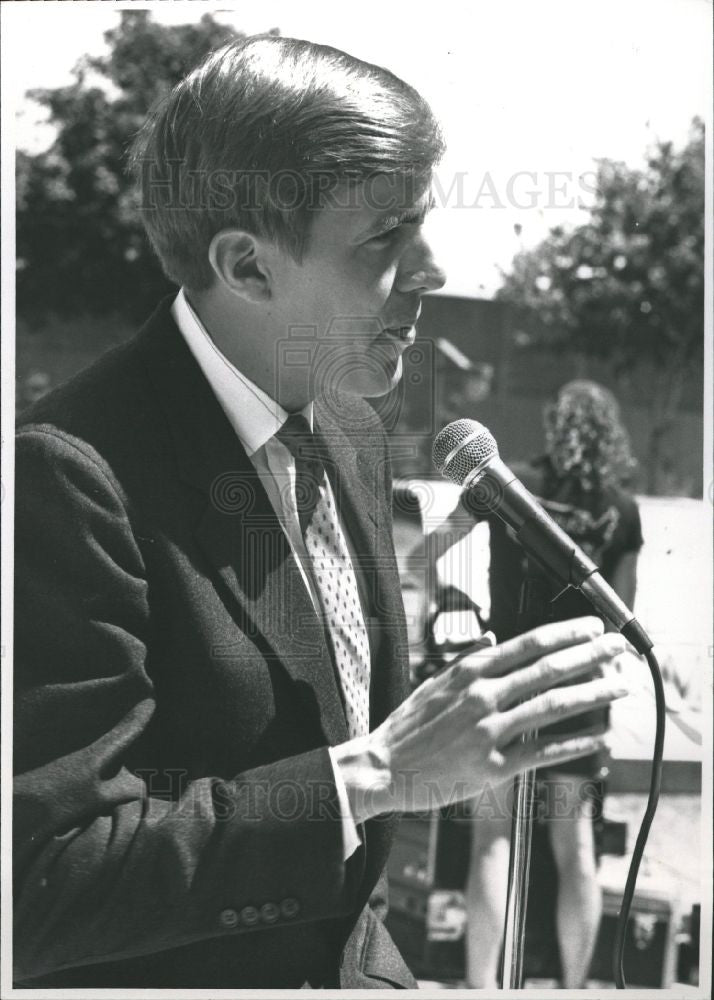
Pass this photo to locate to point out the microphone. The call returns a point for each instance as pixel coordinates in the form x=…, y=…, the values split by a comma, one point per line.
x=466, y=453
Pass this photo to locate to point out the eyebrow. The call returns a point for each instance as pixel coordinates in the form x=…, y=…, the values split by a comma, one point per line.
x=410, y=215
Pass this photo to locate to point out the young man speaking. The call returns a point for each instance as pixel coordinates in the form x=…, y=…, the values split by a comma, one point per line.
x=213, y=732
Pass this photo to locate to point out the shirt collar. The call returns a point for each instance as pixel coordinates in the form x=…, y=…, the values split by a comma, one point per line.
x=253, y=414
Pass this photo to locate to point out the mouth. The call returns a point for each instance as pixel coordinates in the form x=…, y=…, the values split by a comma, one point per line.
x=404, y=334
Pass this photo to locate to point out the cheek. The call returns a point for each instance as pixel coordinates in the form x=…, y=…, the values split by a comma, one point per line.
x=357, y=286
x=373, y=281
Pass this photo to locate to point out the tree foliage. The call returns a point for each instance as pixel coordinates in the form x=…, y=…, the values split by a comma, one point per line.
x=628, y=286
x=80, y=244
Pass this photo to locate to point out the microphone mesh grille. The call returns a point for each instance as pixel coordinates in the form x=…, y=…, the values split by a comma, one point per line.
x=470, y=453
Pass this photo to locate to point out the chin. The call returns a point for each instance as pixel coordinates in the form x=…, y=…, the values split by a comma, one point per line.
x=375, y=384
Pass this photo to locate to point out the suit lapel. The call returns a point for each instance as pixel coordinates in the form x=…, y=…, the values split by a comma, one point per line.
x=253, y=559
x=237, y=528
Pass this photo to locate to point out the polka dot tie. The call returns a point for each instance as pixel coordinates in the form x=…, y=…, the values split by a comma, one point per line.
x=332, y=572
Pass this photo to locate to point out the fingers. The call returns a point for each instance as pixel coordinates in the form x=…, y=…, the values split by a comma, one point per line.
x=557, y=667
x=539, y=642
x=473, y=656
x=521, y=651
x=525, y=649
x=551, y=706
x=546, y=752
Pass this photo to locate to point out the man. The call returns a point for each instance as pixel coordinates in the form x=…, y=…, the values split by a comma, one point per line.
x=211, y=731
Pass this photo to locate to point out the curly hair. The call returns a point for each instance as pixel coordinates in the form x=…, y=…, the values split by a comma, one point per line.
x=586, y=441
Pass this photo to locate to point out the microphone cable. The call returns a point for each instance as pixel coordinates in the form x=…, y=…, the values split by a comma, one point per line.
x=652, y=799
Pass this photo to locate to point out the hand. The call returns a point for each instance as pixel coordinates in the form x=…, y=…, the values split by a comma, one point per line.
x=461, y=730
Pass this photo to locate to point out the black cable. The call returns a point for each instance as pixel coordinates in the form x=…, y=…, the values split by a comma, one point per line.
x=655, y=782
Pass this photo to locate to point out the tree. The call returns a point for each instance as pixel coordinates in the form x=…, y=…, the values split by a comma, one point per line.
x=628, y=286
x=80, y=244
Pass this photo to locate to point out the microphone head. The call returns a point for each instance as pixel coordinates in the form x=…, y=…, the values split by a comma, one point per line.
x=461, y=447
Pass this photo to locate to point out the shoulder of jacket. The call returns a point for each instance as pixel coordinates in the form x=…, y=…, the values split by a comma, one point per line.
x=44, y=445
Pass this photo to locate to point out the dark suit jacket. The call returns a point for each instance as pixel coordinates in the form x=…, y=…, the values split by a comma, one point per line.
x=176, y=820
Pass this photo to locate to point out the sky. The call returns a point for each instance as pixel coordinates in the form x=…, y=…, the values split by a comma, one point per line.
x=529, y=94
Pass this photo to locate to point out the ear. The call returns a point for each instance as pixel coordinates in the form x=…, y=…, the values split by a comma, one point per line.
x=237, y=260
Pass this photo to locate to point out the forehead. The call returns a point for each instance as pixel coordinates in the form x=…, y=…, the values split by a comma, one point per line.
x=352, y=210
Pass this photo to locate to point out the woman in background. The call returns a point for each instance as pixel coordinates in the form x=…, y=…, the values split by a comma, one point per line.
x=580, y=482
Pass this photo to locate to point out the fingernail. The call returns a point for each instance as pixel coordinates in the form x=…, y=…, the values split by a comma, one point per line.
x=621, y=692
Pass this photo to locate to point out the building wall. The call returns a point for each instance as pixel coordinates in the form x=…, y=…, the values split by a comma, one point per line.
x=488, y=330
x=523, y=380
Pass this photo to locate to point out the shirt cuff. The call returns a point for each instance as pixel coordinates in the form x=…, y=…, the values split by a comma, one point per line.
x=351, y=839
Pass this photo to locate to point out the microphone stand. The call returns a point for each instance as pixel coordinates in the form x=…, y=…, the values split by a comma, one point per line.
x=533, y=610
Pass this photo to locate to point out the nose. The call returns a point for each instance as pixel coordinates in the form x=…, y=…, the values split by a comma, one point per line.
x=419, y=271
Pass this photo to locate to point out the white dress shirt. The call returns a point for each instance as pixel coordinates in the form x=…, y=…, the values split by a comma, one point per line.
x=256, y=418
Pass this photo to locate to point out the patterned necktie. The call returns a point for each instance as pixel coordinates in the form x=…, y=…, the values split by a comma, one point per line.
x=332, y=572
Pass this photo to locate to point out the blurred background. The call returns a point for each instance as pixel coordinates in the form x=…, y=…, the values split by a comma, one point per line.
x=570, y=219
x=569, y=206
